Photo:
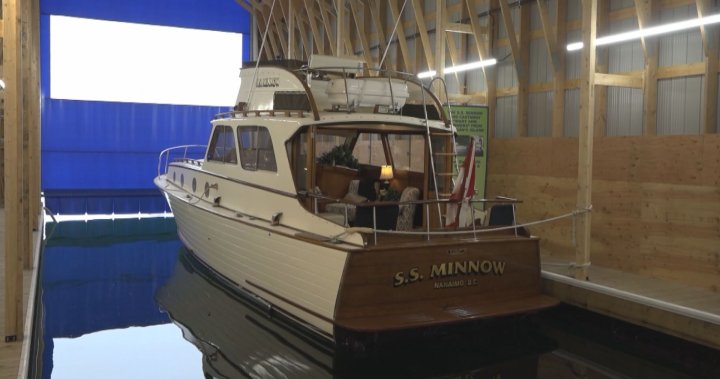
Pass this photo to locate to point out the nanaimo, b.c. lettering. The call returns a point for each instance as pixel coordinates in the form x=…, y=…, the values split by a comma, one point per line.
x=451, y=269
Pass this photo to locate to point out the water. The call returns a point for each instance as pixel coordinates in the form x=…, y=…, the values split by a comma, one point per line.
x=124, y=299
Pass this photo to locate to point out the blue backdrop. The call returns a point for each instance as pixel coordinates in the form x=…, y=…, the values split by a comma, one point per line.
x=101, y=157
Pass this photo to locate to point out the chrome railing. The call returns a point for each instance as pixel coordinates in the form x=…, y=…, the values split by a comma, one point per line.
x=185, y=153
x=428, y=232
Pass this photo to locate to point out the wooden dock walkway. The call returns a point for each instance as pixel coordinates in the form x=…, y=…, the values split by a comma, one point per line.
x=10, y=352
x=683, y=311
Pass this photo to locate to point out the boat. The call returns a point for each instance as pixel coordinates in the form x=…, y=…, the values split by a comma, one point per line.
x=327, y=192
x=239, y=338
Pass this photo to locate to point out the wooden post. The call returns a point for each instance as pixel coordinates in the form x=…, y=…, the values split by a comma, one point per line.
x=585, y=153
x=440, y=47
x=26, y=228
x=34, y=116
x=646, y=10
x=402, y=41
x=340, y=28
x=519, y=50
x=710, y=49
x=491, y=75
x=13, y=169
x=603, y=61
x=290, y=22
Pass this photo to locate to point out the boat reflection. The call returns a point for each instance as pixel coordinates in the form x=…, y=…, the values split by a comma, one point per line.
x=239, y=338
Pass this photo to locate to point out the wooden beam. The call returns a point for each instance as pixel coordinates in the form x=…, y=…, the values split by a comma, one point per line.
x=456, y=27
x=290, y=24
x=34, y=116
x=402, y=41
x=616, y=80
x=318, y=44
x=646, y=11
x=424, y=38
x=375, y=16
x=440, y=47
x=280, y=32
x=340, y=28
x=603, y=60
x=264, y=22
x=585, y=149
x=480, y=45
x=710, y=49
x=558, y=123
x=490, y=74
x=521, y=59
x=522, y=66
x=681, y=70
x=307, y=45
x=25, y=66
x=359, y=26
x=13, y=169
x=549, y=33
x=328, y=28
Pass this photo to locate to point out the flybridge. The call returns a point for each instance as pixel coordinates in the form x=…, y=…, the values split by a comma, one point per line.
x=332, y=84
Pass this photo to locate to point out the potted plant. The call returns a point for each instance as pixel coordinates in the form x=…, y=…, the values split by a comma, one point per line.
x=340, y=155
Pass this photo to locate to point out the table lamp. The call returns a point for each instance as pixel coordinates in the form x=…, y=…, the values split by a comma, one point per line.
x=386, y=173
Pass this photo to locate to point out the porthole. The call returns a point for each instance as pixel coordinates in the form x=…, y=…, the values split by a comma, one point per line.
x=207, y=189
x=174, y=179
x=182, y=180
x=194, y=185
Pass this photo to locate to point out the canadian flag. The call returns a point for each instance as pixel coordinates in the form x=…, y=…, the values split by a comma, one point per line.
x=464, y=188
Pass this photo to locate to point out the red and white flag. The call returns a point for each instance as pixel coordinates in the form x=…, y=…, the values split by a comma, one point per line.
x=464, y=188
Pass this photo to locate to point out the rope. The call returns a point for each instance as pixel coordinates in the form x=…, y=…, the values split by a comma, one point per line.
x=566, y=215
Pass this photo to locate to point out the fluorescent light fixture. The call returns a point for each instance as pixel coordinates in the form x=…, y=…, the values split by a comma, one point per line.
x=649, y=32
x=460, y=68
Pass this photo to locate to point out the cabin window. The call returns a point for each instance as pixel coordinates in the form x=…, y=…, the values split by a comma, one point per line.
x=222, y=145
x=408, y=151
x=369, y=149
x=256, y=149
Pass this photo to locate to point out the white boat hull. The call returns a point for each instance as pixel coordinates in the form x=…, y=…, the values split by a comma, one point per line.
x=271, y=265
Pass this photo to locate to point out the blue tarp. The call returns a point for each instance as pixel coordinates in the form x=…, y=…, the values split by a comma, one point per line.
x=97, y=157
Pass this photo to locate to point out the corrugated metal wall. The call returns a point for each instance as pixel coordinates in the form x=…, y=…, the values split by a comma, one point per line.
x=679, y=108
x=679, y=99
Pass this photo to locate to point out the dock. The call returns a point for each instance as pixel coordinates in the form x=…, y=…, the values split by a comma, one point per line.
x=13, y=355
x=683, y=311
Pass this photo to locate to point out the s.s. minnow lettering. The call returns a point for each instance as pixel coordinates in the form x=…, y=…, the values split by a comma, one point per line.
x=268, y=82
x=451, y=269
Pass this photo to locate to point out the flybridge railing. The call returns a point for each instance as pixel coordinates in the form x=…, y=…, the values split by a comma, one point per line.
x=348, y=73
x=185, y=153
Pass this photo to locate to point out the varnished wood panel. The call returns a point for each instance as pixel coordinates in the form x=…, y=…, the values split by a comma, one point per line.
x=378, y=292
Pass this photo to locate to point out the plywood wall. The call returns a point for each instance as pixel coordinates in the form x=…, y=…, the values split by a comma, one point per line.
x=656, y=200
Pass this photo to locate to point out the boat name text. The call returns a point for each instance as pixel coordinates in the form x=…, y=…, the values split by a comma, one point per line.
x=268, y=82
x=451, y=269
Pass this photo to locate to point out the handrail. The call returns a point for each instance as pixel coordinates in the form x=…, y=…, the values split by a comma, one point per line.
x=428, y=233
x=166, y=154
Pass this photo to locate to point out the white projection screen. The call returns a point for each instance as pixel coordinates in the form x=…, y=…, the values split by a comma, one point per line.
x=136, y=63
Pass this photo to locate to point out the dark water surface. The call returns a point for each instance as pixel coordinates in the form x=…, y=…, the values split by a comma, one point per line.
x=124, y=299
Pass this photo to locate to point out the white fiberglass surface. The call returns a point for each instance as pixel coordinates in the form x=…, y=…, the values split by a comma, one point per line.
x=99, y=60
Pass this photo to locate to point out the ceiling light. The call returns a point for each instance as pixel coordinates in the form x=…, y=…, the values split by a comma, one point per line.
x=648, y=32
x=459, y=68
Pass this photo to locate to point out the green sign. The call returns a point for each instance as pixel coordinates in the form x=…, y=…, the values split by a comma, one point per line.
x=472, y=121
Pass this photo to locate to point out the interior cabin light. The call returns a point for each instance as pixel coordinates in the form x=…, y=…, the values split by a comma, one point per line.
x=460, y=68
x=649, y=32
